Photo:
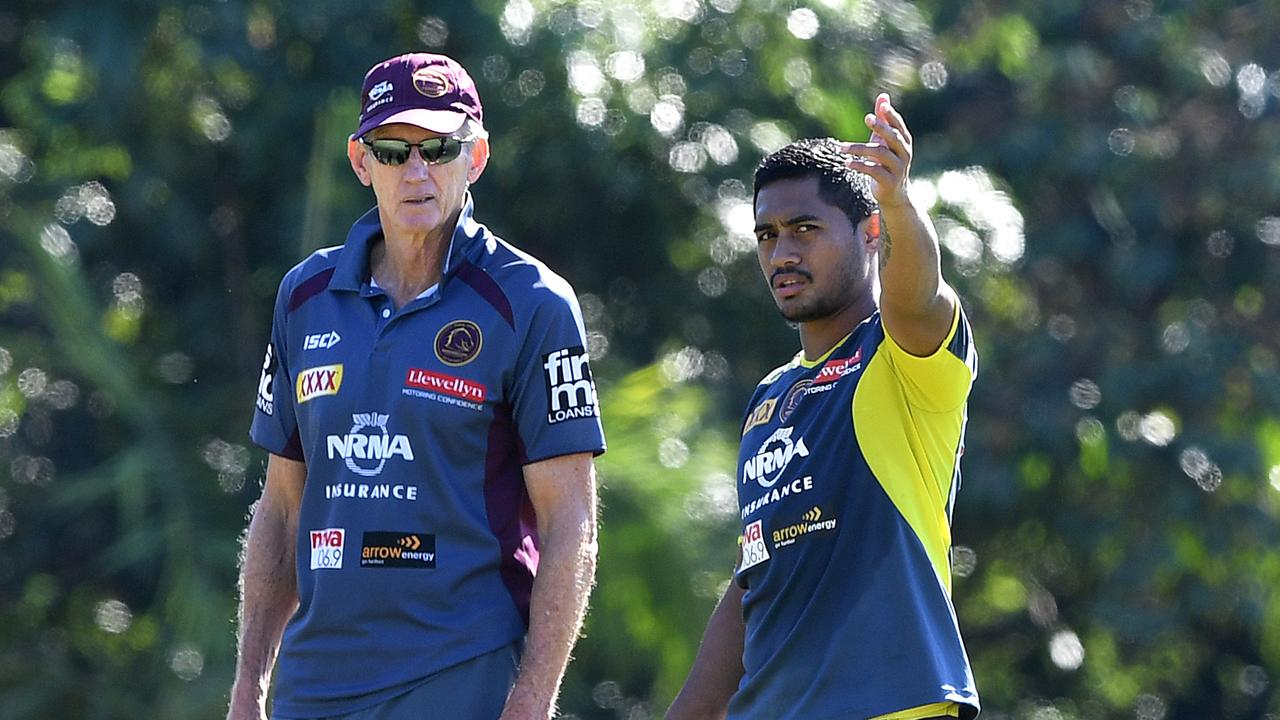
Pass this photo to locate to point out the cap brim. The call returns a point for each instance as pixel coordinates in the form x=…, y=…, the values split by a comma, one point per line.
x=436, y=121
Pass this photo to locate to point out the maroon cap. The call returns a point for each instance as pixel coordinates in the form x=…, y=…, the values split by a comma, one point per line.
x=433, y=92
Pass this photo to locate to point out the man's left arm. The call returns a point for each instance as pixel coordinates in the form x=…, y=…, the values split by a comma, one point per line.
x=917, y=305
x=563, y=492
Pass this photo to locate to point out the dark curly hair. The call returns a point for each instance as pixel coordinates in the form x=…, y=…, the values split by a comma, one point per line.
x=820, y=158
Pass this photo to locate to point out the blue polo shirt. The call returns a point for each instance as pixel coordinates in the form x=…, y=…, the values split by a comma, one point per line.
x=847, y=474
x=417, y=543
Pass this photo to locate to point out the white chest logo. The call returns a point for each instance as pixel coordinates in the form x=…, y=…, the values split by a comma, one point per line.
x=360, y=449
x=774, y=455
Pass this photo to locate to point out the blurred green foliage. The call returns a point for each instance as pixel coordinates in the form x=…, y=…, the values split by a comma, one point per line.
x=1106, y=182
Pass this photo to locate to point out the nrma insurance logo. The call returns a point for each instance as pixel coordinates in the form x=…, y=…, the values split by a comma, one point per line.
x=368, y=445
x=773, y=457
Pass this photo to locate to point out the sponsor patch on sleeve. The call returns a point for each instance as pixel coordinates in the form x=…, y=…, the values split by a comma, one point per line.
x=266, y=400
x=571, y=392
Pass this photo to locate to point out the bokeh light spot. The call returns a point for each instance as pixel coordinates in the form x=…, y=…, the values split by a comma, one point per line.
x=667, y=115
x=964, y=560
x=1149, y=707
x=673, y=453
x=112, y=616
x=32, y=383
x=1085, y=394
x=187, y=662
x=433, y=31
x=591, y=112
x=625, y=66
x=57, y=242
x=712, y=282
x=933, y=75
x=1066, y=650
x=687, y=157
x=682, y=365
x=1269, y=230
x=803, y=23
x=1157, y=428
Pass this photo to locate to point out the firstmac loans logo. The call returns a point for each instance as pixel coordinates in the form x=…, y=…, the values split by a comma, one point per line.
x=571, y=393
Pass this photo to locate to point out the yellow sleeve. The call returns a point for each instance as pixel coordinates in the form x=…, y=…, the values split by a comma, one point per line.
x=939, y=382
x=942, y=709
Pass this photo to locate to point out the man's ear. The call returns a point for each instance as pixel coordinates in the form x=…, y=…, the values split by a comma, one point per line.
x=873, y=230
x=357, y=155
x=479, y=159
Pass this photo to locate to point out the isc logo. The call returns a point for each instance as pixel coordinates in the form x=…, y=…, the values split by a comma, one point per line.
x=326, y=548
x=321, y=341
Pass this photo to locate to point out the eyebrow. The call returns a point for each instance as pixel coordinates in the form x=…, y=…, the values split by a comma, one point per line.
x=789, y=222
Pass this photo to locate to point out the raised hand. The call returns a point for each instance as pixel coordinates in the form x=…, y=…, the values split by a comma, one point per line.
x=886, y=156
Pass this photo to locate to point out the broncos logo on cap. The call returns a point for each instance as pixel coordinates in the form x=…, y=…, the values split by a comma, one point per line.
x=432, y=82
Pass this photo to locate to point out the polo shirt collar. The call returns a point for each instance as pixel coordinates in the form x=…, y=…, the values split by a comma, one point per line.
x=352, y=269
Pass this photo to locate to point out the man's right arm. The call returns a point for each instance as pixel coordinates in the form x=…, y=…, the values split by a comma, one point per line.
x=268, y=585
x=717, y=669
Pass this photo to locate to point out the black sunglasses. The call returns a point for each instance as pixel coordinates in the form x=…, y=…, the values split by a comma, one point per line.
x=435, y=150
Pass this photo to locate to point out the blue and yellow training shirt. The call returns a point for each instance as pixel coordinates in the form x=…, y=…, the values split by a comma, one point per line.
x=847, y=473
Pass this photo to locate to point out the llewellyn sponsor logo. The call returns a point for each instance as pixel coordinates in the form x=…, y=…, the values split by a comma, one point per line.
x=457, y=387
x=836, y=369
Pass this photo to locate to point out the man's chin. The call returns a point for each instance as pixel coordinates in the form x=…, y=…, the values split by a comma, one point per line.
x=796, y=314
x=799, y=313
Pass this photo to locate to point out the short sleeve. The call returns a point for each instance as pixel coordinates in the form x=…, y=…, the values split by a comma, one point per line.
x=939, y=382
x=554, y=393
x=275, y=426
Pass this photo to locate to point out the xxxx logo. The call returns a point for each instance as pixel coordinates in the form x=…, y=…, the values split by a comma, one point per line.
x=317, y=381
x=760, y=415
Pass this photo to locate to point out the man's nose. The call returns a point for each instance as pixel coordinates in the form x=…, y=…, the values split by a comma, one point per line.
x=416, y=165
x=785, y=251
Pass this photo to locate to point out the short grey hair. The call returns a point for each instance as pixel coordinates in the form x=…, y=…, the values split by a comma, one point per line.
x=471, y=130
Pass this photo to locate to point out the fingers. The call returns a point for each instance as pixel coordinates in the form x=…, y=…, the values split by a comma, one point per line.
x=883, y=177
x=886, y=156
x=875, y=153
x=889, y=114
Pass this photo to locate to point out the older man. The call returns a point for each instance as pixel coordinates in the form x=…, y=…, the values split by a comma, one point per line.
x=426, y=538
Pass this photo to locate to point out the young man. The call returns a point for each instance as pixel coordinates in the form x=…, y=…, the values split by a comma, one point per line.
x=426, y=538
x=841, y=601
